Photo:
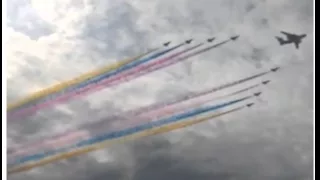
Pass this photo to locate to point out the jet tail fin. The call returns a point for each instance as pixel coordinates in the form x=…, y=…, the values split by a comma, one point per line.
x=280, y=40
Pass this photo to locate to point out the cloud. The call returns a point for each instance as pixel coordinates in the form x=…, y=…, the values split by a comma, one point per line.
x=53, y=41
x=23, y=18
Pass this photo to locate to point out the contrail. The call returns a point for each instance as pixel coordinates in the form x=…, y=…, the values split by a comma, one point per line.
x=132, y=63
x=87, y=149
x=195, y=95
x=133, y=130
x=96, y=87
x=139, y=111
x=86, y=90
x=108, y=74
x=82, y=132
x=62, y=85
x=163, y=64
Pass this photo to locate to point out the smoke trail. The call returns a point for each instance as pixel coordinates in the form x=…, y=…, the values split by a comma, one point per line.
x=160, y=65
x=195, y=95
x=172, y=109
x=69, y=137
x=87, y=149
x=88, y=89
x=139, y=111
x=62, y=85
x=104, y=75
x=101, y=85
x=160, y=122
x=133, y=130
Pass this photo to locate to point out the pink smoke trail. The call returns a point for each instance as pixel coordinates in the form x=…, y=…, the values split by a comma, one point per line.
x=77, y=135
x=158, y=67
x=96, y=87
x=136, y=112
x=206, y=49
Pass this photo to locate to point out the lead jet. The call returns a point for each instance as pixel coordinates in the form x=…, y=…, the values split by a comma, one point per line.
x=291, y=38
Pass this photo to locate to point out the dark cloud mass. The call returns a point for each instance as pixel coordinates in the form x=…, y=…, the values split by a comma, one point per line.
x=271, y=141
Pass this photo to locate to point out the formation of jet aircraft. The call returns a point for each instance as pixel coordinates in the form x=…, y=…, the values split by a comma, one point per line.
x=291, y=38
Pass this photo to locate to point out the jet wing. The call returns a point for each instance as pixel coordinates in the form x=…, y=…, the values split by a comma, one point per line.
x=290, y=36
x=287, y=34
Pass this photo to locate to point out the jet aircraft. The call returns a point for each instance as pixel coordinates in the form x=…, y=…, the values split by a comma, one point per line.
x=251, y=104
x=275, y=69
x=234, y=38
x=167, y=43
x=265, y=82
x=291, y=38
x=189, y=41
x=257, y=94
x=211, y=39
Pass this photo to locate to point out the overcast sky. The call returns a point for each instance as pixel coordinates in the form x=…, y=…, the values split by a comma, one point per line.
x=54, y=40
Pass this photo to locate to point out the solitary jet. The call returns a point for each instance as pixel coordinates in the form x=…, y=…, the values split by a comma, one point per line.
x=167, y=43
x=189, y=41
x=291, y=38
x=211, y=39
x=251, y=104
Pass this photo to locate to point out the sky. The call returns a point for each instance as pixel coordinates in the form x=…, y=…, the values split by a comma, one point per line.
x=54, y=40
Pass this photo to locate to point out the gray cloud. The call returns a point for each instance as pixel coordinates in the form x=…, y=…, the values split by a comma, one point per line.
x=116, y=27
x=271, y=141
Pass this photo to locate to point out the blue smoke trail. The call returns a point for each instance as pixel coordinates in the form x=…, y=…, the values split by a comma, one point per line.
x=103, y=76
x=130, y=131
